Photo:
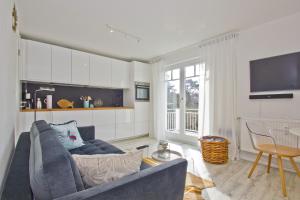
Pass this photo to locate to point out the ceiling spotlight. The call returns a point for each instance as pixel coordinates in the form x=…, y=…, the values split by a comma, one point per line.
x=111, y=30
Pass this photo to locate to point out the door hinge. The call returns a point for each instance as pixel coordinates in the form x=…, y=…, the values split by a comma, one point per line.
x=19, y=52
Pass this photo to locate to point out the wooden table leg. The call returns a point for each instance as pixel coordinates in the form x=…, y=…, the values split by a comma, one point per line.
x=282, y=176
x=269, y=163
x=255, y=163
x=295, y=166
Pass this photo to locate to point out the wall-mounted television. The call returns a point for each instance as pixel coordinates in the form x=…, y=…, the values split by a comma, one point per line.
x=275, y=73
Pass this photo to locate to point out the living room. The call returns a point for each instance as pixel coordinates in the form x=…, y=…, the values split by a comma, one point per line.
x=150, y=100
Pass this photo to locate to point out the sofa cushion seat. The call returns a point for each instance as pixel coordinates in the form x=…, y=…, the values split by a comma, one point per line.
x=95, y=147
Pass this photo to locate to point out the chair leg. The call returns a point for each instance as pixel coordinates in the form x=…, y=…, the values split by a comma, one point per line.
x=269, y=163
x=282, y=176
x=295, y=166
x=255, y=163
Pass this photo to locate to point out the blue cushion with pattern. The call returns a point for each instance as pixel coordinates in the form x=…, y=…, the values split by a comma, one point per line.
x=68, y=134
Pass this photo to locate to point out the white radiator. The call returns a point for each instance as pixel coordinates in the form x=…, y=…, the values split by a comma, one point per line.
x=282, y=137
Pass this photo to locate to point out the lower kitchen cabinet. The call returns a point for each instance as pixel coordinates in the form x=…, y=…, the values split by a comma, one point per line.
x=109, y=124
x=83, y=118
x=105, y=124
x=27, y=118
x=124, y=123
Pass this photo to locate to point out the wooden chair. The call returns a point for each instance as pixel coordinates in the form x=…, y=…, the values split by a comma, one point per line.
x=264, y=142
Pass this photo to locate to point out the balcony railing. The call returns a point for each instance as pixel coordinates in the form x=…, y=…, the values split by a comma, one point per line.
x=191, y=120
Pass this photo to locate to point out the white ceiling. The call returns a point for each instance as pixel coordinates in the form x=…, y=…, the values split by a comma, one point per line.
x=163, y=25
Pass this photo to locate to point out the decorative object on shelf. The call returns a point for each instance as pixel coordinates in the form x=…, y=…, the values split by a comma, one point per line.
x=214, y=149
x=86, y=101
x=64, y=103
x=41, y=89
x=48, y=101
x=38, y=103
x=14, y=19
x=86, y=104
x=98, y=103
x=92, y=105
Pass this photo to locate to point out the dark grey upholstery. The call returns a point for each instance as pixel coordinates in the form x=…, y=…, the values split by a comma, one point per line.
x=53, y=172
x=164, y=182
x=95, y=147
x=17, y=184
x=87, y=132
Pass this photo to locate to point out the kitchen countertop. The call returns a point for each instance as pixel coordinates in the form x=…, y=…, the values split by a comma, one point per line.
x=74, y=109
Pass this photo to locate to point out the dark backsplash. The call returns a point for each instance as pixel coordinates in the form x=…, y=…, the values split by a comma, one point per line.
x=110, y=97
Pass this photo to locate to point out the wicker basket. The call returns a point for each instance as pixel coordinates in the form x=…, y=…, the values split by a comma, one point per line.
x=214, y=149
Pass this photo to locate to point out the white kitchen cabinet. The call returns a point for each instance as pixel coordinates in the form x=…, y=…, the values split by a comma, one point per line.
x=27, y=118
x=141, y=114
x=142, y=72
x=124, y=123
x=83, y=118
x=61, y=65
x=120, y=77
x=80, y=68
x=36, y=60
x=100, y=71
x=105, y=124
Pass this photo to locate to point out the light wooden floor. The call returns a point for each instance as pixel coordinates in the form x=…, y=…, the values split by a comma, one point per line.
x=230, y=179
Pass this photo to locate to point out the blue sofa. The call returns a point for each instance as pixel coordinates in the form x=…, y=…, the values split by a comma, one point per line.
x=43, y=169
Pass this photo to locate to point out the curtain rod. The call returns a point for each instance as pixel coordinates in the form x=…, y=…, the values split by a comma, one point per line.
x=218, y=38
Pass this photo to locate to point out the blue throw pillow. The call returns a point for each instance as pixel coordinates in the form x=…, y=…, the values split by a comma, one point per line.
x=68, y=134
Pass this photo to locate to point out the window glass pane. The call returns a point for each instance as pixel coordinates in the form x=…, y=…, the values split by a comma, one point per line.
x=200, y=69
x=168, y=75
x=176, y=74
x=189, y=71
x=173, y=106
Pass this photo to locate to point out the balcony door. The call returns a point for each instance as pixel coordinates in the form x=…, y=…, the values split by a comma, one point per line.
x=185, y=96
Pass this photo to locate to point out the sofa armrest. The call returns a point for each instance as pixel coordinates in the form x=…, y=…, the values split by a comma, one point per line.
x=17, y=184
x=87, y=132
x=163, y=182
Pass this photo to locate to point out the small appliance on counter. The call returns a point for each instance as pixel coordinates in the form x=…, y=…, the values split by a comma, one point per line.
x=26, y=103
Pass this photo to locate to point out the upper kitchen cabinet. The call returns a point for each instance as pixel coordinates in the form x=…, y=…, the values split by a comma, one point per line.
x=120, y=74
x=61, y=65
x=80, y=68
x=100, y=71
x=36, y=61
x=142, y=72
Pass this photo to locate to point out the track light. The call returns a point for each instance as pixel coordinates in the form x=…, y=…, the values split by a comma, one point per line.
x=125, y=34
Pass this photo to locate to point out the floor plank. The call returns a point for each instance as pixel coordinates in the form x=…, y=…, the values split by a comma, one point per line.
x=231, y=178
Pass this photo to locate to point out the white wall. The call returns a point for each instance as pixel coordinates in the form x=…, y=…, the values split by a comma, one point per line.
x=275, y=38
x=8, y=66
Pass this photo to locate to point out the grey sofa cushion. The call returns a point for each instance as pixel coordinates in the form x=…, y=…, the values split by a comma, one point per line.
x=53, y=172
x=92, y=147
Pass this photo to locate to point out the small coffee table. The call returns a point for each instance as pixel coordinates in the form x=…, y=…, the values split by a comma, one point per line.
x=159, y=156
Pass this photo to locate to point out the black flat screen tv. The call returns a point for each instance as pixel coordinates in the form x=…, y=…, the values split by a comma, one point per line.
x=275, y=73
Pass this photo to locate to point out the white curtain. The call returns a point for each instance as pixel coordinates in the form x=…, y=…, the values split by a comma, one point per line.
x=219, y=56
x=159, y=100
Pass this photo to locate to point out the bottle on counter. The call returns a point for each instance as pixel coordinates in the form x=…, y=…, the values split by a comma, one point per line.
x=38, y=103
